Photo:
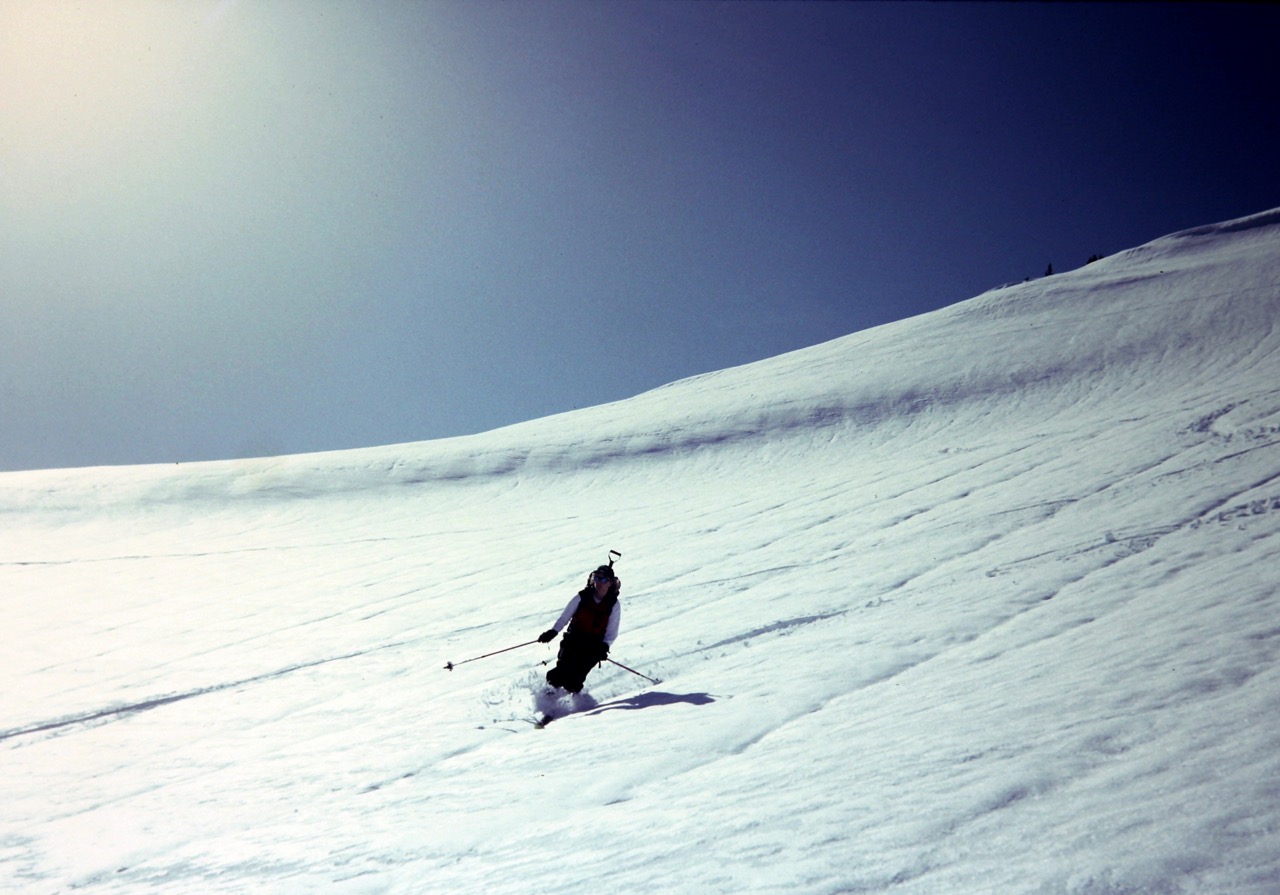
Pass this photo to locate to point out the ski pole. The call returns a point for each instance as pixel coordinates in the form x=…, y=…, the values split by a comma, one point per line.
x=449, y=666
x=636, y=673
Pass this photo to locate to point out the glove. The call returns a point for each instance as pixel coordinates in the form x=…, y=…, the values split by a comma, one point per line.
x=548, y=635
x=604, y=652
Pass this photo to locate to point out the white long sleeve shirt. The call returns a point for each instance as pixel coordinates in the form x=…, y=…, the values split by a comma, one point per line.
x=611, y=629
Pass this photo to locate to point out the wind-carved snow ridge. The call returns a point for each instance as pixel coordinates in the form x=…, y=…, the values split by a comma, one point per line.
x=980, y=601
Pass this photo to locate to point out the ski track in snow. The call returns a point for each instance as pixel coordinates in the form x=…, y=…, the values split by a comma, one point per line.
x=983, y=601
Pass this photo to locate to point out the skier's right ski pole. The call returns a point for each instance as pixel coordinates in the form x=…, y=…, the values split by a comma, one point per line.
x=449, y=666
x=636, y=673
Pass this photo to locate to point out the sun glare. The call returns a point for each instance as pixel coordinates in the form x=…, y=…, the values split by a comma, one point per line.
x=77, y=73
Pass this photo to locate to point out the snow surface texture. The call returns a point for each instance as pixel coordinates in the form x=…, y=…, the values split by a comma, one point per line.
x=980, y=601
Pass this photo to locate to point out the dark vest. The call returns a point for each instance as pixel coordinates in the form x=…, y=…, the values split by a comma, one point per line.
x=592, y=618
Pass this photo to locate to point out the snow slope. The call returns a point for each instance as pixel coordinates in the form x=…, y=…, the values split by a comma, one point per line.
x=980, y=601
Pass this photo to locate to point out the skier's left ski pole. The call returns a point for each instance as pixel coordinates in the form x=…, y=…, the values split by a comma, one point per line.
x=449, y=666
x=633, y=671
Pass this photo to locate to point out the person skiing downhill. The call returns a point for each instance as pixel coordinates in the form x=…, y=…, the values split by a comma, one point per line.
x=593, y=616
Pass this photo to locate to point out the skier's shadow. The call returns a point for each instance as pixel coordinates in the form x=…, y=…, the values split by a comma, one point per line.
x=649, y=700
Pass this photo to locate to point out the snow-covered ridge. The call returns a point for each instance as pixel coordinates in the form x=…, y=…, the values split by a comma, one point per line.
x=1150, y=313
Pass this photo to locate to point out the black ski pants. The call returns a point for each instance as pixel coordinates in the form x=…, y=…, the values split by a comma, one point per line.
x=577, y=656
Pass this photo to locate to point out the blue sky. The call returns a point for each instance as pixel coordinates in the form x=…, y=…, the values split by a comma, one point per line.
x=237, y=229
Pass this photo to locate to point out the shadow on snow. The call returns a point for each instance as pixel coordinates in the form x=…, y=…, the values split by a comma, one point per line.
x=650, y=700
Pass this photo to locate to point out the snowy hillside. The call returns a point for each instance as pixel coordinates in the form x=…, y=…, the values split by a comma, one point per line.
x=980, y=601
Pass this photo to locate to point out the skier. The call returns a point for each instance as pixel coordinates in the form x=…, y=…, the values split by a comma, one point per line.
x=592, y=616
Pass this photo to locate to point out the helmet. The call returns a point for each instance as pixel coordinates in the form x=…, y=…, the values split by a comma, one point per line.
x=604, y=573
